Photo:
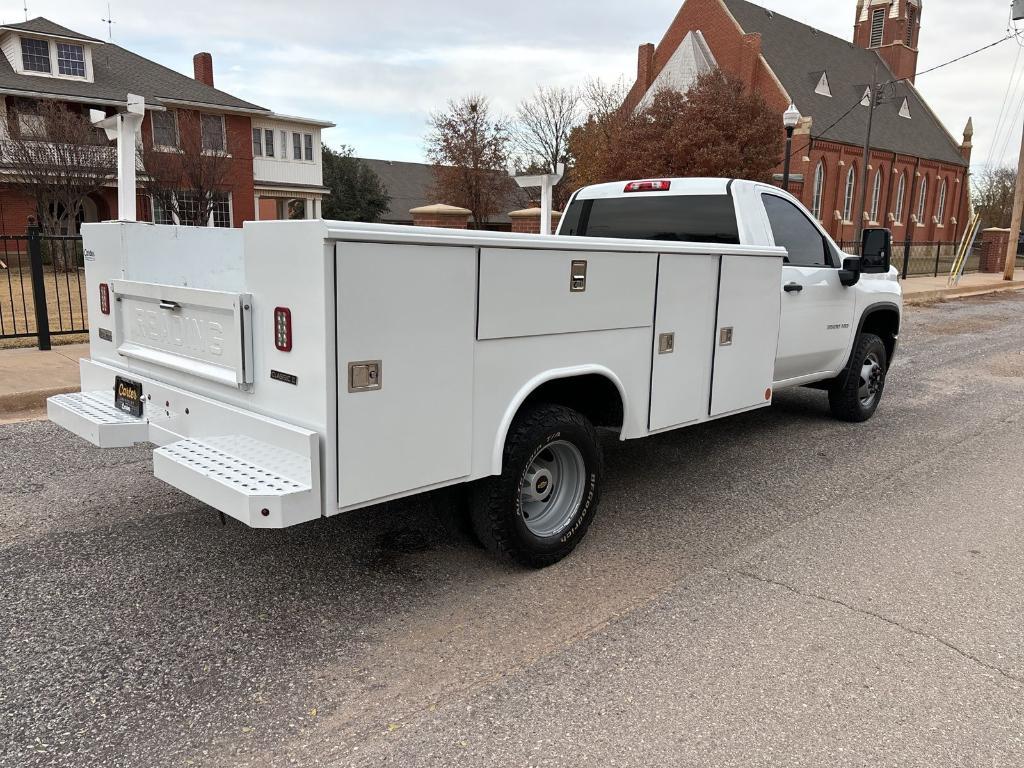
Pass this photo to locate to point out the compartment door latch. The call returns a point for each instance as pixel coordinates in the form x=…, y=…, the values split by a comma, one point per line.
x=364, y=376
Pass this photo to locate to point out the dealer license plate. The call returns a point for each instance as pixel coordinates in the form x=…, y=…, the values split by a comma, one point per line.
x=128, y=396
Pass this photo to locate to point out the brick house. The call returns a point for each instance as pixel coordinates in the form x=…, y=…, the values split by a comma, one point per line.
x=918, y=173
x=271, y=157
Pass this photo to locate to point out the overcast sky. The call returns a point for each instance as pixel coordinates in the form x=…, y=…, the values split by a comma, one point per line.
x=378, y=68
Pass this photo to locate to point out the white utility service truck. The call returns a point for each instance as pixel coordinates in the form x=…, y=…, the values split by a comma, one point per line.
x=292, y=370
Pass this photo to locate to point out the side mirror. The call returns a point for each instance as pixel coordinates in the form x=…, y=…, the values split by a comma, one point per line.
x=876, y=251
x=849, y=275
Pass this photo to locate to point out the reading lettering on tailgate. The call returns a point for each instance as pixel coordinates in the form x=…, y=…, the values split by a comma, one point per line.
x=180, y=328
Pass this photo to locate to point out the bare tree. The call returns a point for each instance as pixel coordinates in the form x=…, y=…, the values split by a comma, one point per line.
x=188, y=180
x=58, y=158
x=543, y=124
x=993, y=195
x=469, y=150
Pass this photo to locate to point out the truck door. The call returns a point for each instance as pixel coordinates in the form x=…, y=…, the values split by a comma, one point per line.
x=817, y=310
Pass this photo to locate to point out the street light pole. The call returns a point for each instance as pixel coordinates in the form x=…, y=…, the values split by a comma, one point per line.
x=790, y=119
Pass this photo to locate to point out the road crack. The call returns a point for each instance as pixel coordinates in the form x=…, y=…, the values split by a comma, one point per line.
x=875, y=615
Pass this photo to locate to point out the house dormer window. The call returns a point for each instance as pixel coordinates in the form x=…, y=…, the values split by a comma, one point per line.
x=35, y=55
x=70, y=59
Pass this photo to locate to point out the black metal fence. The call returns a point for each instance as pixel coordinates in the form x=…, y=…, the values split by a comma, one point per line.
x=42, y=287
x=934, y=258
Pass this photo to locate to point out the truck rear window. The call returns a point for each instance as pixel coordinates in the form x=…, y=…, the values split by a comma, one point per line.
x=681, y=218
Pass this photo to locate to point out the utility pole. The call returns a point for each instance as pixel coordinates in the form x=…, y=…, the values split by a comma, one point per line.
x=862, y=207
x=1018, y=210
x=1017, y=14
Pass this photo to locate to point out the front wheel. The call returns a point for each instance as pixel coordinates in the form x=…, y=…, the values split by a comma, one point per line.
x=855, y=395
x=537, y=510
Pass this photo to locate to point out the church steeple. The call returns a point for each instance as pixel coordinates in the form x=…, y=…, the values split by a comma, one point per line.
x=893, y=28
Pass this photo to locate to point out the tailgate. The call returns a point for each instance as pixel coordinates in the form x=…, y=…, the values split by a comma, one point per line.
x=200, y=332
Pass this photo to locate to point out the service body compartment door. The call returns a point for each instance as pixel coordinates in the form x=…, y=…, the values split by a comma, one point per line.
x=544, y=292
x=747, y=334
x=683, y=339
x=406, y=329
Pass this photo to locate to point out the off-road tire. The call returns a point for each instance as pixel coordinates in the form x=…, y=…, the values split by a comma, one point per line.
x=497, y=510
x=845, y=396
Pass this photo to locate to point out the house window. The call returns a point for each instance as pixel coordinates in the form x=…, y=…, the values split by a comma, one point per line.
x=257, y=142
x=940, y=206
x=31, y=124
x=160, y=214
x=307, y=146
x=877, y=27
x=165, y=128
x=212, y=127
x=284, y=144
x=901, y=195
x=296, y=146
x=70, y=59
x=851, y=183
x=876, y=195
x=269, y=134
x=819, y=188
x=922, y=200
x=35, y=55
x=222, y=210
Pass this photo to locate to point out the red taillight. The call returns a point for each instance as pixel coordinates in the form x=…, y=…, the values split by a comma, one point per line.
x=283, y=329
x=649, y=186
x=104, y=299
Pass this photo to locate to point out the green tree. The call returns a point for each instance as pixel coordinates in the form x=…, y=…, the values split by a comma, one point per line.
x=357, y=193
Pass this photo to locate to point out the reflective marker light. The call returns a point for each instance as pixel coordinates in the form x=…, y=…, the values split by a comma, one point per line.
x=104, y=299
x=283, y=329
x=649, y=186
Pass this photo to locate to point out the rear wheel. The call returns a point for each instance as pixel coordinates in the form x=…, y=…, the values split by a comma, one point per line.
x=855, y=395
x=537, y=510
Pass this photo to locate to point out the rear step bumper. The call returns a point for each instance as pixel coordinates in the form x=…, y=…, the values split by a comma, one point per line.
x=260, y=471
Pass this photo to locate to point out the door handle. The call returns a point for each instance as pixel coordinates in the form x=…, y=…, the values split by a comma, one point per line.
x=173, y=306
x=792, y=288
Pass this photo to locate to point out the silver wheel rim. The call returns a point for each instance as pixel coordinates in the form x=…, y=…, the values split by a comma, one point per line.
x=552, y=488
x=871, y=377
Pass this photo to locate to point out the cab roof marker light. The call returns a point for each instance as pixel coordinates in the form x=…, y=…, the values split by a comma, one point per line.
x=652, y=185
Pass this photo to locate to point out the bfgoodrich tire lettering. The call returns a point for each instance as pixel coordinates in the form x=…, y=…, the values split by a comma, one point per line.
x=537, y=510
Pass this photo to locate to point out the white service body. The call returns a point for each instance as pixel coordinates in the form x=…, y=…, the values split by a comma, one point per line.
x=462, y=327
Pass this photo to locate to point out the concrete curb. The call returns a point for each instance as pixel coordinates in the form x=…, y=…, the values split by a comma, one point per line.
x=930, y=297
x=20, y=406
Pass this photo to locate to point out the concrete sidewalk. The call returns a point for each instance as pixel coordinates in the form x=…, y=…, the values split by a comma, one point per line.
x=925, y=290
x=28, y=377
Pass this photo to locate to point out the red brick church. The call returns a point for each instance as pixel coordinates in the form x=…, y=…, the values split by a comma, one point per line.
x=918, y=173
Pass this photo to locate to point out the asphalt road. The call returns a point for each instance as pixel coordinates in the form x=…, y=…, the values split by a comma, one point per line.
x=779, y=589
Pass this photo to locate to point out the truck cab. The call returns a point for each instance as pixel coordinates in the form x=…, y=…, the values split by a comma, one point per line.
x=824, y=307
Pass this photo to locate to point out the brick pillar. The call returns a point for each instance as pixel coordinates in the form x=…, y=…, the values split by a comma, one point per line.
x=440, y=215
x=994, y=244
x=528, y=220
x=202, y=68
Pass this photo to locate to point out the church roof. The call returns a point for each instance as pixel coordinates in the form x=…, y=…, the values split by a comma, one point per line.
x=798, y=54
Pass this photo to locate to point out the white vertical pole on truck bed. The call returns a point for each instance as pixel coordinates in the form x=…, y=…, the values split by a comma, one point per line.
x=546, y=182
x=124, y=128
